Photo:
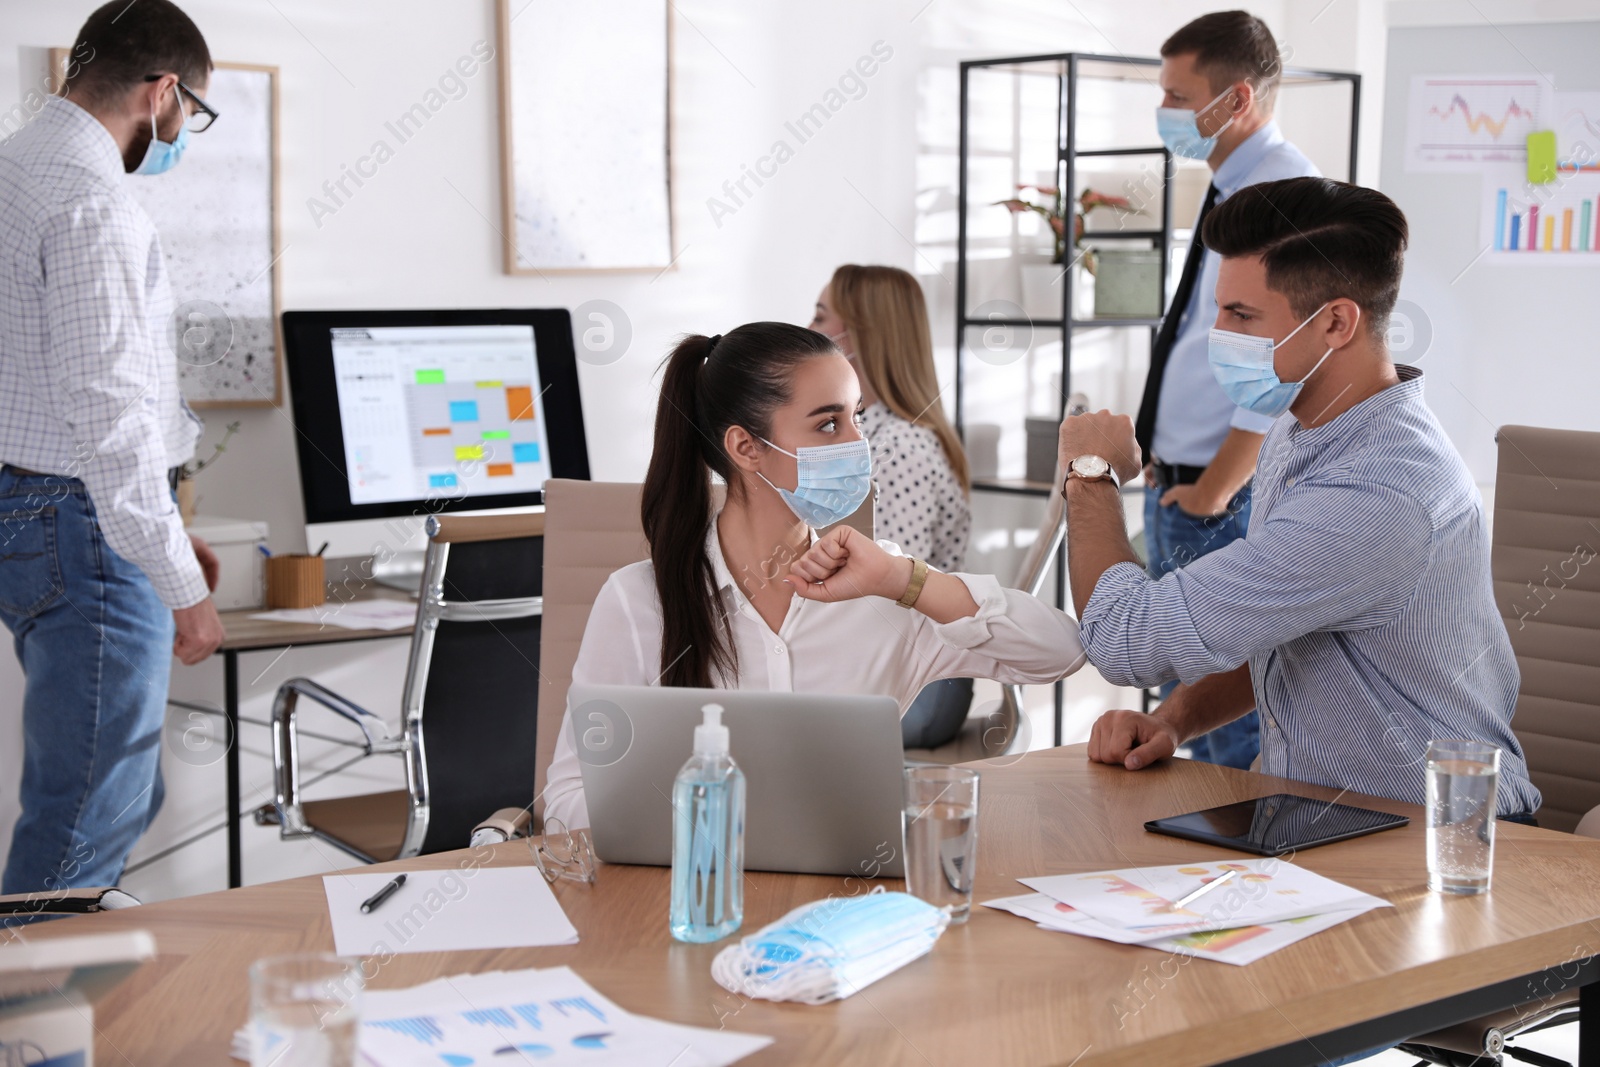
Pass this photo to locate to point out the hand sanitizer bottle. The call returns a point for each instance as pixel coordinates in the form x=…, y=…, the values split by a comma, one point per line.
x=708, y=838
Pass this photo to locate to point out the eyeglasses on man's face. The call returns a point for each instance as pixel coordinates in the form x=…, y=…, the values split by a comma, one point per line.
x=203, y=115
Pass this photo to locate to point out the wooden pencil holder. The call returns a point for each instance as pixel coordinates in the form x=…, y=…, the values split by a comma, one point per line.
x=295, y=582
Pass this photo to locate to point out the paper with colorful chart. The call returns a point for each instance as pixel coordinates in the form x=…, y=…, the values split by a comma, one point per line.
x=552, y=1017
x=1137, y=904
x=1238, y=946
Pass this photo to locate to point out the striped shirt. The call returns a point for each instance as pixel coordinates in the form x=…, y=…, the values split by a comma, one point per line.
x=88, y=375
x=1360, y=597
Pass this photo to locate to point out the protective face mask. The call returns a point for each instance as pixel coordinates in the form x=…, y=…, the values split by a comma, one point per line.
x=829, y=949
x=1180, y=130
x=832, y=482
x=162, y=156
x=1243, y=366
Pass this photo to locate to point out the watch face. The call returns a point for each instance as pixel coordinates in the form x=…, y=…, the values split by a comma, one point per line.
x=1090, y=466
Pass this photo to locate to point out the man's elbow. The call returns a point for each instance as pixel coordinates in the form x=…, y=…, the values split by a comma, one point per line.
x=1111, y=656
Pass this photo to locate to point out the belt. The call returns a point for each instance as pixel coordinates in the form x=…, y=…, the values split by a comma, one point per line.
x=172, y=474
x=1170, y=474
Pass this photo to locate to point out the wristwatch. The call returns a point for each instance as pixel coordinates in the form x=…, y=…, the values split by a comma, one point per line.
x=1090, y=469
x=919, y=578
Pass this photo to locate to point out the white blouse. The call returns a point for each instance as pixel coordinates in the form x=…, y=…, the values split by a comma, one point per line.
x=868, y=646
x=919, y=503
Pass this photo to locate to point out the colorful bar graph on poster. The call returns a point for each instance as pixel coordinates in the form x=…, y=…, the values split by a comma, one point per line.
x=519, y=402
x=1549, y=233
x=1583, y=227
x=1500, y=222
x=1566, y=229
x=1516, y=232
x=1533, y=227
x=430, y=377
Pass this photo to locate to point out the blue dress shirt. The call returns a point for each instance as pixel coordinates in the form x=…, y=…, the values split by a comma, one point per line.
x=1194, y=414
x=1360, y=597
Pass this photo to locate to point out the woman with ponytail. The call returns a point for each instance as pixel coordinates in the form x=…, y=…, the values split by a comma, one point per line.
x=877, y=317
x=726, y=598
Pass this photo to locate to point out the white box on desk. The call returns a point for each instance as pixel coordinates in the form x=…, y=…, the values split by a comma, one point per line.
x=238, y=544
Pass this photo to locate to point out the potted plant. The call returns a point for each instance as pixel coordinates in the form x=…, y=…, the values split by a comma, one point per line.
x=186, y=473
x=1041, y=294
x=1054, y=214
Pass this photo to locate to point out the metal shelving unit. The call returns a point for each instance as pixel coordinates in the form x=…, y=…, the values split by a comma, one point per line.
x=1071, y=70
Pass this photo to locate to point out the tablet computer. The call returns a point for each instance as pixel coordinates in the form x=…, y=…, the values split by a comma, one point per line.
x=1276, y=825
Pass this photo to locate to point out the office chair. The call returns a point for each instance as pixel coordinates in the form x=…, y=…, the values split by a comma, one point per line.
x=591, y=530
x=469, y=709
x=1547, y=585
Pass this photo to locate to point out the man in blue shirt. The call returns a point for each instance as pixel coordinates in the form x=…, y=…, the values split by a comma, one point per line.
x=1219, y=77
x=1357, y=612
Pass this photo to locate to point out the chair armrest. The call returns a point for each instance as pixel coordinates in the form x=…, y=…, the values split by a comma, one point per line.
x=67, y=902
x=286, y=744
x=503, y=825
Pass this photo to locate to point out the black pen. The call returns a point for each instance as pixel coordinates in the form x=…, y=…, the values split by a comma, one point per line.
x=372, y=902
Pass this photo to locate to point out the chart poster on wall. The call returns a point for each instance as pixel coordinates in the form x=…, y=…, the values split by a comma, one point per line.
x=585, y=135
x=1553, y=223
x=1467, y=121
x=217, y=216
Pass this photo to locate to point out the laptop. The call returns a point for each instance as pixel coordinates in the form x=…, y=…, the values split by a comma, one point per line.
x=823, y=774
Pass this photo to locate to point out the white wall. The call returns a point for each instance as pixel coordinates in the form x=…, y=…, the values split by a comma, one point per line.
x=424, y=231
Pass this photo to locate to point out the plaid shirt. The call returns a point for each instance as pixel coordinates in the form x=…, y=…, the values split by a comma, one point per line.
x=88, y=378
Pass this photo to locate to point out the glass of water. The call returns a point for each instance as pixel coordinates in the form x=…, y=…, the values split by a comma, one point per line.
x=940, y=836
x=304, y=1011
x=1461, y=804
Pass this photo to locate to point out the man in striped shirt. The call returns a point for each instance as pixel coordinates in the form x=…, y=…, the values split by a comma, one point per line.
x=1357, y=612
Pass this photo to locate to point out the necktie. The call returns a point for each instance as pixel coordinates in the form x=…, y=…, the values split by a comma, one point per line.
x=1161, y=349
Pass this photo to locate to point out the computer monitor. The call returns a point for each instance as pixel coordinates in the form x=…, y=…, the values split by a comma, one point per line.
x=403, y=414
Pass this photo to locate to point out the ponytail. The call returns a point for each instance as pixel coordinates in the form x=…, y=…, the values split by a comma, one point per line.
x=707, y=385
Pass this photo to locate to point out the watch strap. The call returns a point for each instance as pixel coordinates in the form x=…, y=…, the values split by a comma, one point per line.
x=919, y=578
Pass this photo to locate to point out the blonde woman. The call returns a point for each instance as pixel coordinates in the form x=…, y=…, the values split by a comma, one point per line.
x=877, y=317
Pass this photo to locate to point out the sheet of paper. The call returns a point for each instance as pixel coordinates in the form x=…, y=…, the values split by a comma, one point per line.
x=551, y=1016
x=378, y=614
x=446, y=911
x=1462, y=122
x=1238, y=946
x=1137, y=903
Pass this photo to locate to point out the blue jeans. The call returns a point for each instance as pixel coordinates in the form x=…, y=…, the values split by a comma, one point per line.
x=936, y=716
x=95, y=644
x=1173, y=539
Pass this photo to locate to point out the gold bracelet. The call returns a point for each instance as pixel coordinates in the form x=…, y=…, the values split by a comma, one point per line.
x=919, y=578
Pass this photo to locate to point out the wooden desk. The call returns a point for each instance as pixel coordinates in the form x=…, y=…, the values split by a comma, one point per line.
x=997, y=990
x=245, y=634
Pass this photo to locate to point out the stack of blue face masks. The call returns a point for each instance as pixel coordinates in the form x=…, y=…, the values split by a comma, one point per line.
x=829, y=949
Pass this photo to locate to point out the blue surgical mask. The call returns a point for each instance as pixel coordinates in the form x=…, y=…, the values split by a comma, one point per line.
x=829, y=949
x=1180, y=131
x=832, y=481
x=162, y=156
x=1243, y=366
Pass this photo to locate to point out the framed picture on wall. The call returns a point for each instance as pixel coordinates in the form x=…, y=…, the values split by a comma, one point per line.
x=585, y=145
x=217, y=214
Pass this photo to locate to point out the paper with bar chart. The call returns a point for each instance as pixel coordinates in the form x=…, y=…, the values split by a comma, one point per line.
x=1553, y=224
x=1463, y=122
x=440, y=412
